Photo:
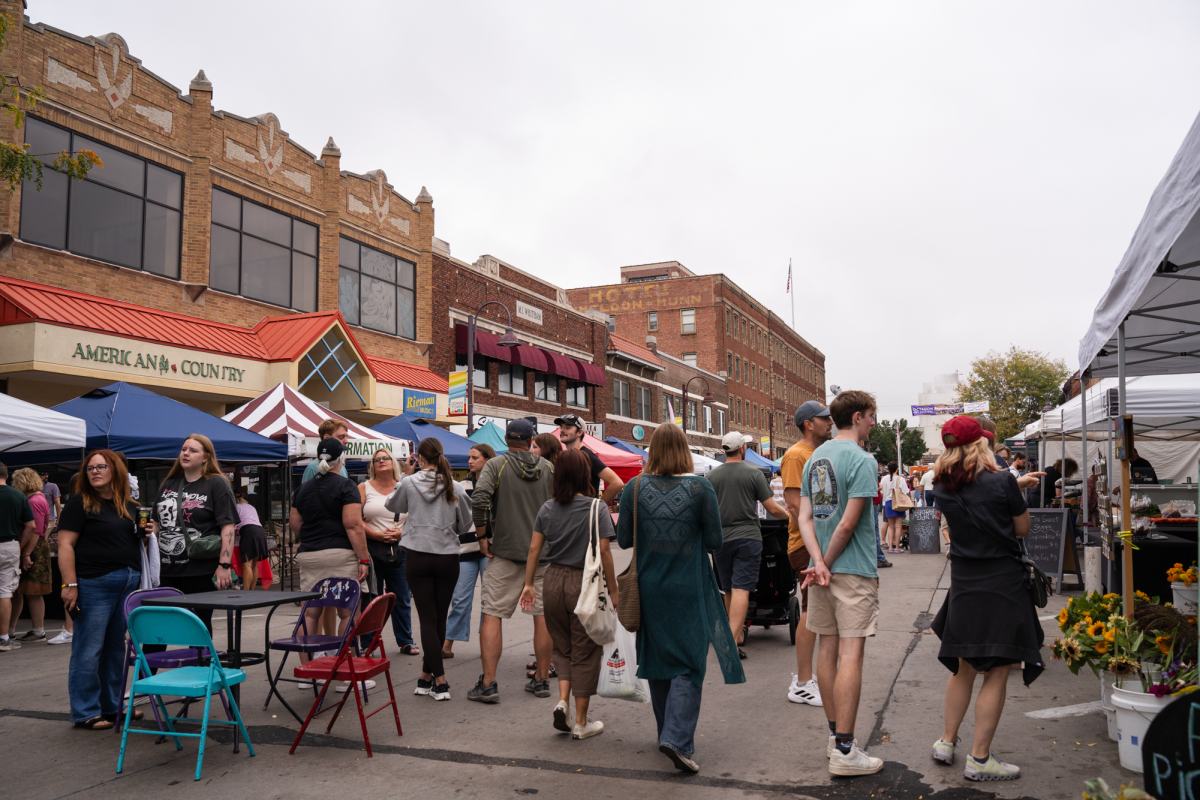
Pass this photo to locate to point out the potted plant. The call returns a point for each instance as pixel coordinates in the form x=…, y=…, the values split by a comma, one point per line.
x=1184, y=588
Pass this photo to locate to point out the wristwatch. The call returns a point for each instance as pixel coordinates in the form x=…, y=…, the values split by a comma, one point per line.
x=224, y=565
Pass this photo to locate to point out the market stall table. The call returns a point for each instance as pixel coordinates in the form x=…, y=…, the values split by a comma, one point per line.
x=1155, y=554
x=233, y=603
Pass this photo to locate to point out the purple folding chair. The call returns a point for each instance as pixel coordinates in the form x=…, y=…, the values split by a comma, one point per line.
x=335, y=593
x=166, y=659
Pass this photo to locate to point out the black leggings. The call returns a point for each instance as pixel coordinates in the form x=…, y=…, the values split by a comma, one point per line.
x=432, y=579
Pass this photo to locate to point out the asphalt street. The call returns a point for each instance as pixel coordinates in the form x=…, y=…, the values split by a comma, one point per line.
x=750, y=739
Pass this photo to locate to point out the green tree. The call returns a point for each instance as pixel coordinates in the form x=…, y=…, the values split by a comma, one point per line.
x=17, y=164
x=1018, y=384
x=882, y=443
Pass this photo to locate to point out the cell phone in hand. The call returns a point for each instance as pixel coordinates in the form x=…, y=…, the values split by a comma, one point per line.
x=75, y=610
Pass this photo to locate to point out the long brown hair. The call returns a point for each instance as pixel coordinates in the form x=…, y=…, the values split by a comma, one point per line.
x=550, y=445
x=122, y=495
x=484, y=450
x=572, y=476
x=431, y=450
x=669, y=453
x=211, y=465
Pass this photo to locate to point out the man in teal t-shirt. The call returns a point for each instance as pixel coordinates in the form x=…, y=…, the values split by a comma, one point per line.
x=338, y=430
x=835, y=522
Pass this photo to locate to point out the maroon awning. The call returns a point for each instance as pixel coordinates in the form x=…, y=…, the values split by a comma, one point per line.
x=486, y=344
x=530, y=357
x=561, y=365
x=591, y=373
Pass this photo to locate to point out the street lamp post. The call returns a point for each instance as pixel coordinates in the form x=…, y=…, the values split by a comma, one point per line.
x=708, y=398
x=509, y=339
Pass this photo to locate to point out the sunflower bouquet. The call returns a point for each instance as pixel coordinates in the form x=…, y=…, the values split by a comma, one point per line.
x=1096, y=635
x=1177, y=574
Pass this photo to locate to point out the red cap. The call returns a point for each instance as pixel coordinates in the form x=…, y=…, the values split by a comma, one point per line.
x=965, y=430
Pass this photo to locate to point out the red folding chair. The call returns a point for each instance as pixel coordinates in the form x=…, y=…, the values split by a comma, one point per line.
x=346, y=667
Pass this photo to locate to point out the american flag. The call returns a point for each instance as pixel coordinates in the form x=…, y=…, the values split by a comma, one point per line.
x=789, y=281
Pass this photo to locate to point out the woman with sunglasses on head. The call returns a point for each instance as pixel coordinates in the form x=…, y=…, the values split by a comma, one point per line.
x=384, y=529
x=195, y=517
x=471, y=564
x=100, y=558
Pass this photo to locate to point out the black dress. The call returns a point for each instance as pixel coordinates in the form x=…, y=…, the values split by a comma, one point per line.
x=987, y=618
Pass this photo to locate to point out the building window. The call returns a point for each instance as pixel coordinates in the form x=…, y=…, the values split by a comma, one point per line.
x=737, y=368
x=721, y=421
x=377, y=290
x=708, y=420
x=641, y=408
x=259, y=253
x=729, y=364
x=577, y=394
x=511, y=379
x=691, y=415
x=481, y=368
x=687, y=320
x=743, y=330
x=612, y=324
x=546, y=388
x=739, y=411
x=652, y=320
x=666, y=410
x=727, y=322
x=126, y=212
x=621, y=398
x=689, y=359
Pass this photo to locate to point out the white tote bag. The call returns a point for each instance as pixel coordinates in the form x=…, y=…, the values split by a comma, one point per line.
x=618, y=670
x=594, y=608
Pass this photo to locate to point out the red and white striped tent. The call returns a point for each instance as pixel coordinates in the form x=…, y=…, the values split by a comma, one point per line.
x=284, y=414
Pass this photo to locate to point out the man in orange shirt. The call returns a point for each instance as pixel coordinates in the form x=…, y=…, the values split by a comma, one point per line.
x=815, y=427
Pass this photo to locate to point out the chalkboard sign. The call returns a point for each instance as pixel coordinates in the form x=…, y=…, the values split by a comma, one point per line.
x=1047, y=535
x=1171, y=750
x=923, y=531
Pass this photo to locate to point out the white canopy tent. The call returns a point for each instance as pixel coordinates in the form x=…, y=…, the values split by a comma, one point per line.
x=25, y=427
x=704, y=464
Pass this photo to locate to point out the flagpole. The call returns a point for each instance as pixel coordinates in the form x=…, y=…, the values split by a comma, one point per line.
x=792, y=293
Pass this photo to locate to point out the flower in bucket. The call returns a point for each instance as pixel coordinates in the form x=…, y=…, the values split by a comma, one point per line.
x=1177, y=574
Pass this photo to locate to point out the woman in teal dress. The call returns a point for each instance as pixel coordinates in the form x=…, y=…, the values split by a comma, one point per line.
x=682, y=614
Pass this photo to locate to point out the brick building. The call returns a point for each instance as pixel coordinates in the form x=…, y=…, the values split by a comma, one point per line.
x=709, y=322
x=559, y=367
x=220, y=223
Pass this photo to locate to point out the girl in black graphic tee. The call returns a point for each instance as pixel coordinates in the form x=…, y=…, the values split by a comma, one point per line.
x=196, y=500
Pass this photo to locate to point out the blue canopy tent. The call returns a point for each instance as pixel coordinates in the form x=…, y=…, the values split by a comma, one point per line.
x=456, y=448
x=142, y=424
x=759, y=461
x=492, y=434
x=628, y=448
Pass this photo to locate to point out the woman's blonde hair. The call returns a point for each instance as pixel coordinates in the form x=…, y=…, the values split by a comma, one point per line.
x=26, y=481
x=211, y=465
x=669, y=453
x=371, y=464
x=958, y=466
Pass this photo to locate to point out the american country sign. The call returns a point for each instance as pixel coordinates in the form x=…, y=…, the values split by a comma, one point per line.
x=153, y=362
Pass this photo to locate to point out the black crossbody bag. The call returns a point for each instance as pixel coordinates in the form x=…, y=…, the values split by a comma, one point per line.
x=1036, y=583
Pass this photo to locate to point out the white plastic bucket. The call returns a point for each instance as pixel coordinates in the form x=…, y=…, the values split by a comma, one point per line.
x=1135, y=712
x=1110, y=711
x=1185, y=598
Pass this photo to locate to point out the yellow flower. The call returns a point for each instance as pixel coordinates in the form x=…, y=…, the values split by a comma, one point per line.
x=1062, y=617
x=1101, y=647
x=1123, y=666
x=1140, y=595
x=1164, y=643
x=1110, y=634
x=1071, y=650
x=1096, y=629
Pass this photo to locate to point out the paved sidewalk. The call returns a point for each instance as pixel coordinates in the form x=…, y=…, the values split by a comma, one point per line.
x=749, y=740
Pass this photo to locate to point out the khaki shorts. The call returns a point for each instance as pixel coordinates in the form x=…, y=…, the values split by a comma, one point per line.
x=10, y=568
x=333, y=563
x=503, y=582
x=848, y=606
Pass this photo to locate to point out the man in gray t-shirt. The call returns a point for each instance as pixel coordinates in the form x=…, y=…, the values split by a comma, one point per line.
x=740, y=487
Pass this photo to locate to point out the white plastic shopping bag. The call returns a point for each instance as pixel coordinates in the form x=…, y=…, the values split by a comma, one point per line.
x=594, y=609
x=618, y=670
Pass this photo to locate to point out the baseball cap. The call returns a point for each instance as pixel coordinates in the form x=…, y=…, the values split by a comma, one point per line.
x=964, y=429
x=734, y=440
x=519, y=429
x=808, y=410
x=569, y=419
x=329, y=449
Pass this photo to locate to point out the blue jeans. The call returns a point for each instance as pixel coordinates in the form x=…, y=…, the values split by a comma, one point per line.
x=879, y=547
x=458, y=624
x=676, y=710
x=393, y=580
x=98, y=649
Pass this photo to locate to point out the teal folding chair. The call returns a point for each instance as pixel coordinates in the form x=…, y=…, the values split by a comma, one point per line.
x=180, y=627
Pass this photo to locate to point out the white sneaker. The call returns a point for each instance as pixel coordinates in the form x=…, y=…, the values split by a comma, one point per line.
x=594, y=727
x=308, y=685
x=943, y=751
x=831, y=745
x=856, y=762
x=344, y=686
x=64, y=637
x=805, y=693
x=991, y=770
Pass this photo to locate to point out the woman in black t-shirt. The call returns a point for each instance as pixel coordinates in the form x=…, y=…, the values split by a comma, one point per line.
x=196, y=501
x=987, y=623
x=101, y=563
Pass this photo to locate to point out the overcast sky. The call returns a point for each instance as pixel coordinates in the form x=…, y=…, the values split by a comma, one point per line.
x=948, y=178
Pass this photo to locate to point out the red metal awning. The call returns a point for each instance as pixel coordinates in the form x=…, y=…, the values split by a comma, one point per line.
x=561, y=365
x=591, y=373
x=530, y=357
x=486, y=344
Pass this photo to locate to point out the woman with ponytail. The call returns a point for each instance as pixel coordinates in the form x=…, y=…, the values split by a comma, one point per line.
x=438, y=514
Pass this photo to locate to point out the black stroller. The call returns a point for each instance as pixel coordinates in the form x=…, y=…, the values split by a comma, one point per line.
x=774, y=600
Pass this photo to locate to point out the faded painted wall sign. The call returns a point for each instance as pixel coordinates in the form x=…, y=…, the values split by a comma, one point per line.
x=642, y=296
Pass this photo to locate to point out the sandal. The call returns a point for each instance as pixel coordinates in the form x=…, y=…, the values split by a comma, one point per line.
x=532, y=673
x=447, y=654
x=95, y=724
x=137, y=714
x=741, y=654
x=411, y=650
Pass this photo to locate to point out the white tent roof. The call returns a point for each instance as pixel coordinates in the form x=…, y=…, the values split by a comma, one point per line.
x=1164, y=407
x=283, y=414
x=25, y=427
x=1156, y=288
x=703, y=464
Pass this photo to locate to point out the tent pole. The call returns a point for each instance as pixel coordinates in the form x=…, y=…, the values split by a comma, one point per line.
x=1126, y=517
x=1083, y=503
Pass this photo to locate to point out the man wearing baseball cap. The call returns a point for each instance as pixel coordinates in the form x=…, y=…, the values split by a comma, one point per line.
x=815, y=427
x=570, y=432
x=740, y=487
x=510, y=491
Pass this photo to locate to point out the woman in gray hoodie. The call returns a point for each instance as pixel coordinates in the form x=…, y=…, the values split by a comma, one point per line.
x=438, y=514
